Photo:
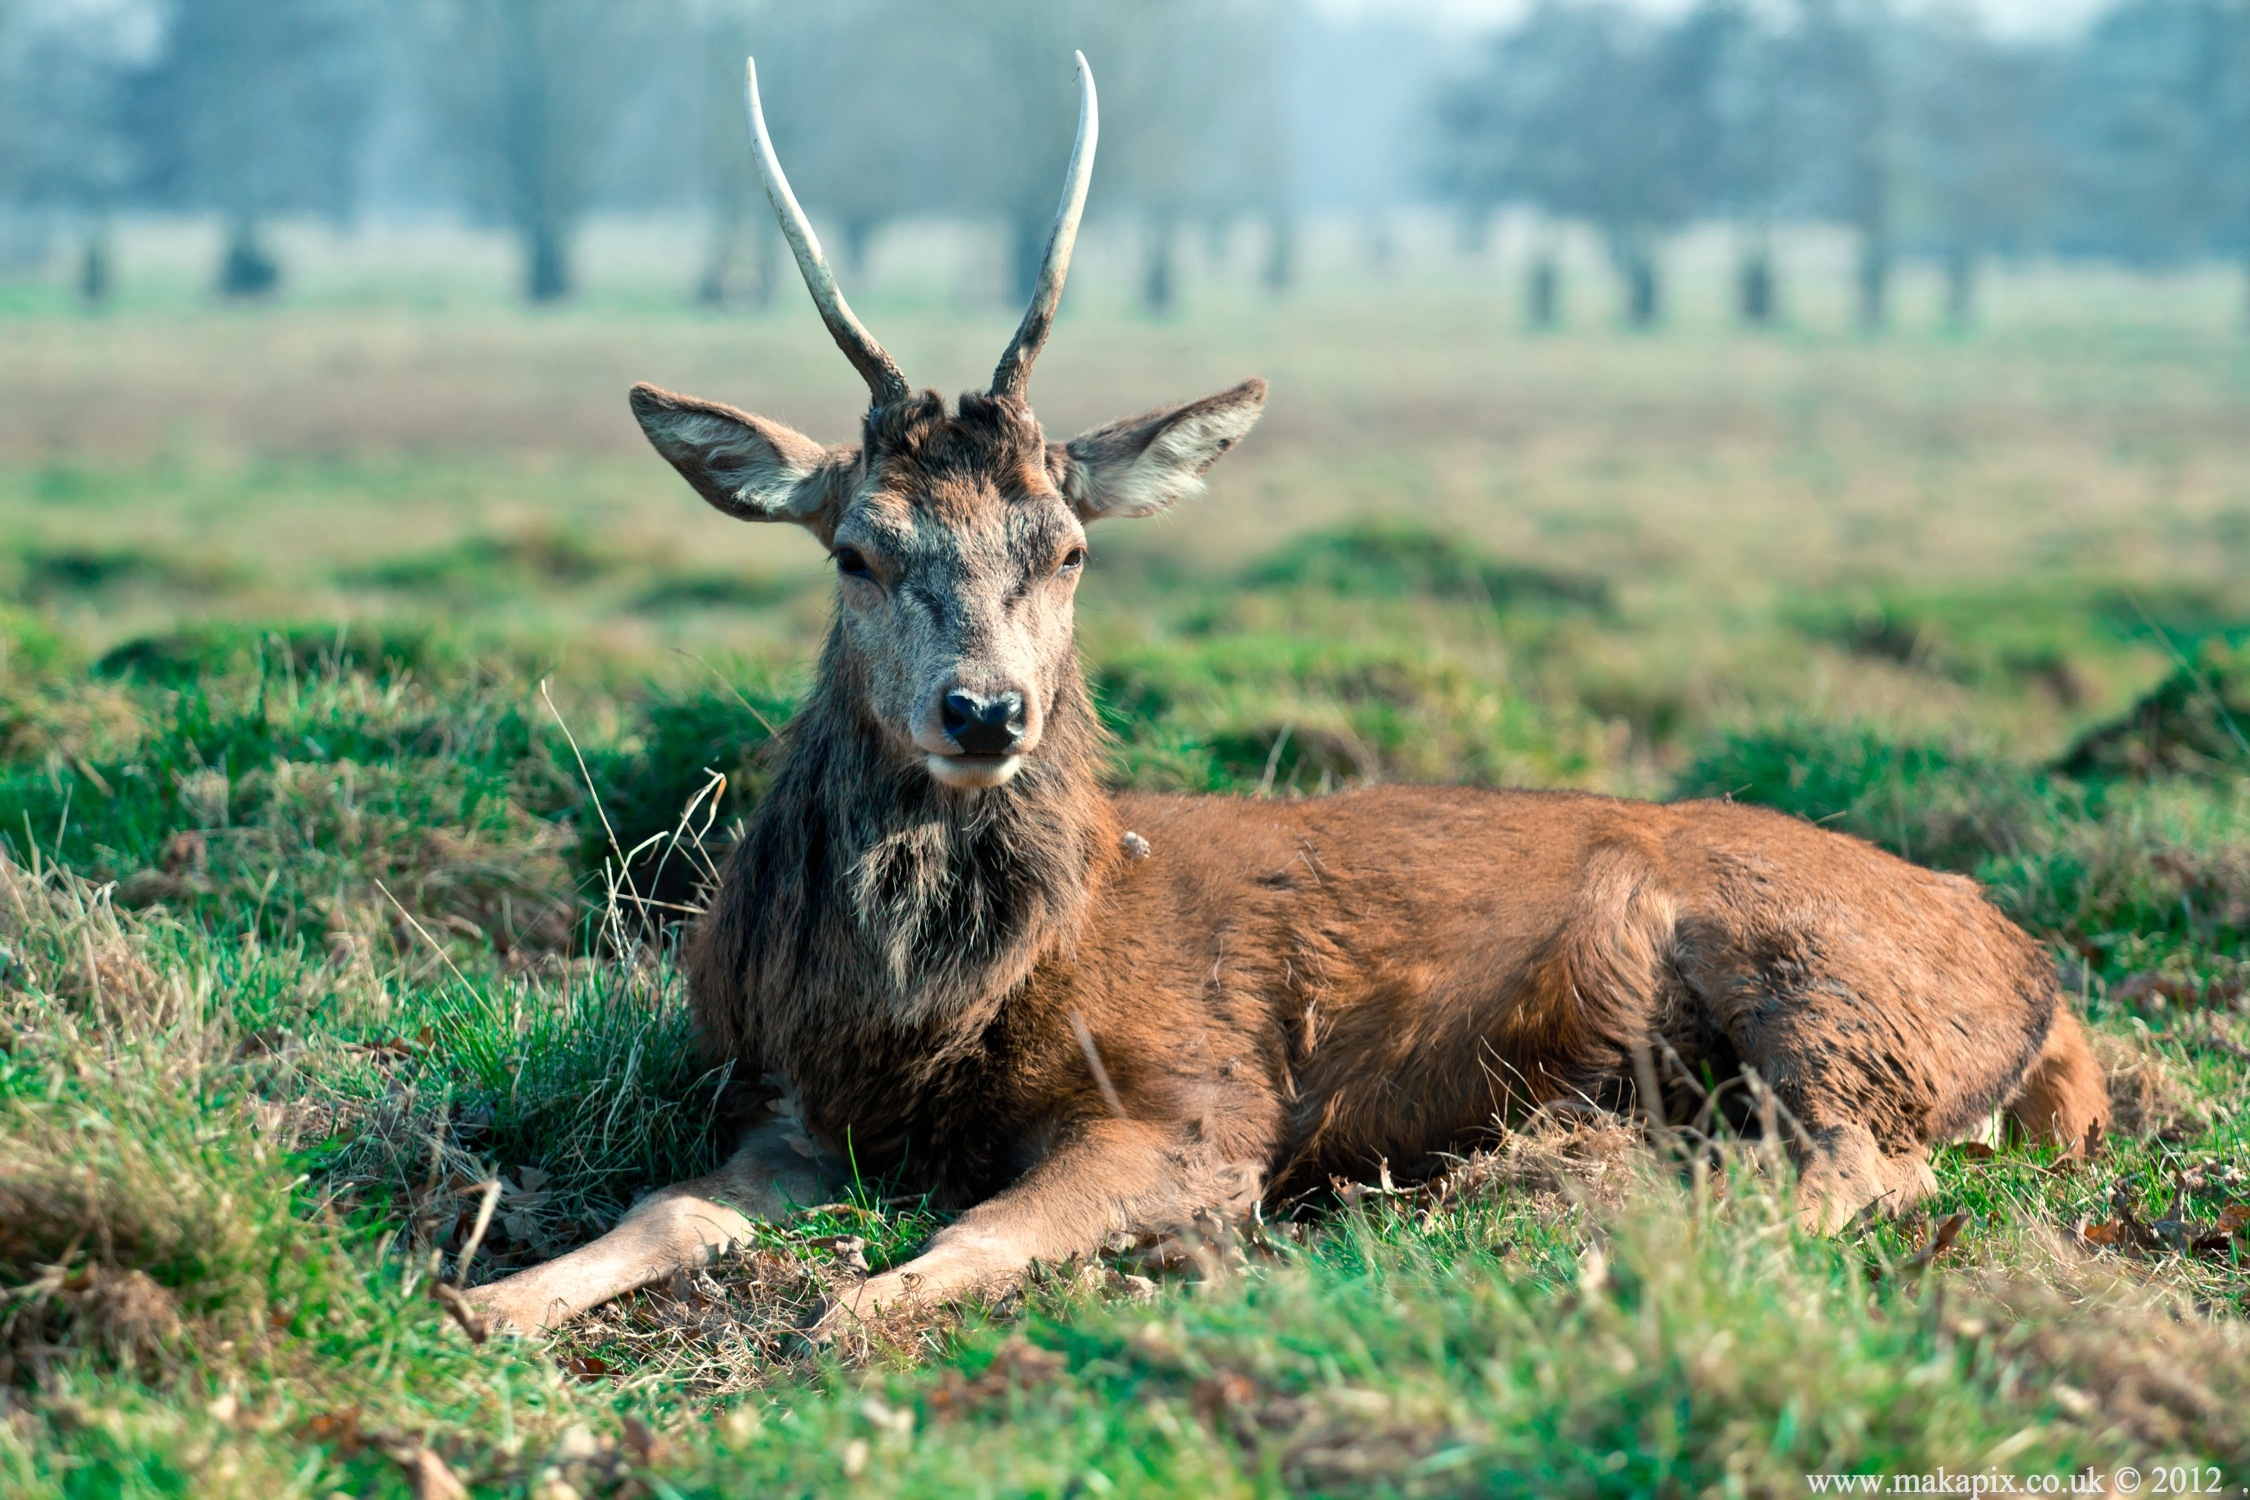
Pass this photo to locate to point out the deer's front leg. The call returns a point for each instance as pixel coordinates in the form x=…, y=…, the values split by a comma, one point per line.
x=1112, y=1175
x=677, y=1228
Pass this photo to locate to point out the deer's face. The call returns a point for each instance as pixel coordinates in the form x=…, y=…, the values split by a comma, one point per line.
x=957, y=559
x=958, y=540
x=958, y=537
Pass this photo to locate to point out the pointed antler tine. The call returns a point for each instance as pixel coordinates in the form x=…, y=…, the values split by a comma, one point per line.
x=884, y=381
x=1014, y=370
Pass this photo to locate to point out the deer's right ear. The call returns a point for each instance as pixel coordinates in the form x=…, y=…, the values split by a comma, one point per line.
x=752, y=469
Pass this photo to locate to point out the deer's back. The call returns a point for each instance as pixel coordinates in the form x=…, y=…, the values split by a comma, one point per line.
x=1372, y=973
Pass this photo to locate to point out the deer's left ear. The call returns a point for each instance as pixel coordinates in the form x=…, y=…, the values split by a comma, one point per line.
x=1143, y=464
x=750, y=468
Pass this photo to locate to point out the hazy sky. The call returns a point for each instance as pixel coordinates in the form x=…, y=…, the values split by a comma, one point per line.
x=2017, y=17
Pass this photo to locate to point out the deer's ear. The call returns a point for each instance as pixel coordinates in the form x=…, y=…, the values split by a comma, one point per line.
x=752, y=469
x=1139, y=466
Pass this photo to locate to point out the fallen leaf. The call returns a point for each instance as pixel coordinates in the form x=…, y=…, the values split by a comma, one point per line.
x=1025, y=1363
x=427, y=1475
x=1018, y=1362
x=2103, y=1236
x=338, y=1427
x=2234, y=1218
x=1217, y=1394
x=1974, y=1151
x=642, y=1441
x=1941, y=1240
x=587, y=1368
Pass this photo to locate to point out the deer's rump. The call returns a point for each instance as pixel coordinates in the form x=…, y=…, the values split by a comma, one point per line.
x=1411, y=964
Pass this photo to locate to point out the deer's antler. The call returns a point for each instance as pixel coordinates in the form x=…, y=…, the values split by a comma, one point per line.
x=885, y=384
x=1014, y=369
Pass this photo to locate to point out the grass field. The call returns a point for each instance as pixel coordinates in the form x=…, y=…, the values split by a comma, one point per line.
x=349, y=640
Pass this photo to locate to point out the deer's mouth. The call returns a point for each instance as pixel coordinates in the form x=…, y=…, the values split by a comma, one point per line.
x=973, y=772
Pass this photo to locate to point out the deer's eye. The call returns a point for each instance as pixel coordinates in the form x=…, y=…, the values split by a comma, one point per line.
x=1072, y=561
x=851, y=564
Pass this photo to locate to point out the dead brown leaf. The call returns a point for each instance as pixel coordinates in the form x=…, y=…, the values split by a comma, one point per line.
x=1018, y=1363
x=642, y=1441
x=427, y=1474
x=338, y=1427
x=1941, y=1240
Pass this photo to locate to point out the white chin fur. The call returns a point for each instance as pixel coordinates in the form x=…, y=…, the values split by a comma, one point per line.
x=964, y=773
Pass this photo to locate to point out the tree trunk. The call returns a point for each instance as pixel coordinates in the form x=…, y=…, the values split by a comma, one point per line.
x=1874, y=279
x=546, y=262
x=1027, y=251
x=765, y=259
x=1218, y=240
x=719, y=256
x=1160, y=287
x=1635, y=257
x=1379, y=242
x=1758, y=296
x=96, y=274
x=1644, y=302
x=859, y=234
x=246, y=270
x=1280, y=270
x=1542, y=292
x=1960, y=287
x=1476, y=230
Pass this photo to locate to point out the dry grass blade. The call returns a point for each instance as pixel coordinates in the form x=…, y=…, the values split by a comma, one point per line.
x=462, y=1311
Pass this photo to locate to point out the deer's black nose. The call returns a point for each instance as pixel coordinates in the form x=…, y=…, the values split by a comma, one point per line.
x=981, y=725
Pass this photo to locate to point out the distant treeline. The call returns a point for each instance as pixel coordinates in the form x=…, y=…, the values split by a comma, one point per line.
x=1917, y=129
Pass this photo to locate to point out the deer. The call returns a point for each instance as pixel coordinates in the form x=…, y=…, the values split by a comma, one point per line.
x=944, y=953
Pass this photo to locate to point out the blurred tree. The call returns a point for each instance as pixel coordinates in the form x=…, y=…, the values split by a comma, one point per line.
x=65, y=150
x=897, y=86
x=1744, y=74
x=1269, y=158
x=253, y=108
x=1979, y=167
x=1507, y=136
x=1841, y=106
x=1016, y=115
x=1593, y=112
x=723, y=36
x=2155, y=133
x=529, y=91
x=1191, y=122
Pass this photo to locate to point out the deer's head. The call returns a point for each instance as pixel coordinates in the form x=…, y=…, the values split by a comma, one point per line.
x=958, y=536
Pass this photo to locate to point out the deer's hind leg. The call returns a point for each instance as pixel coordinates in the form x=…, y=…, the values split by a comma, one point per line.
x=1856, y=1099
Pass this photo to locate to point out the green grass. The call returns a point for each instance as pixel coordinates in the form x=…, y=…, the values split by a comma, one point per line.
x=332, y=707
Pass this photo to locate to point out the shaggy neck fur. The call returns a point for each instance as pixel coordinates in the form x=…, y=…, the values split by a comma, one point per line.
x=863, y=891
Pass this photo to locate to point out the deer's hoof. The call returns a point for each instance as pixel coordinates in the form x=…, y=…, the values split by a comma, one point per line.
x=502, y=1313
x=850, y=1311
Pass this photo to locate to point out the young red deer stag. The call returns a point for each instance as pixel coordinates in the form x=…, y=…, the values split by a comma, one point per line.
x=947, y=951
